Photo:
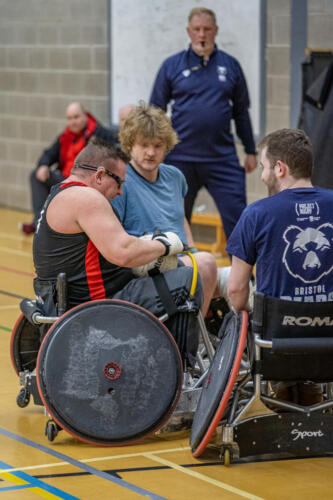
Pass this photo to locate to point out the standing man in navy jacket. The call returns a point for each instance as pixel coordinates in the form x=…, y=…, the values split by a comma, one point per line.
x=207, y=89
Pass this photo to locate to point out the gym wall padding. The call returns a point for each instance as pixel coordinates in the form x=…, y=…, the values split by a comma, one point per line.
x=317, y=113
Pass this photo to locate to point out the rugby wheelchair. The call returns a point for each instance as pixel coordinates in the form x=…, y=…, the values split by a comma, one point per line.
x=109, y=372
x=238, y=411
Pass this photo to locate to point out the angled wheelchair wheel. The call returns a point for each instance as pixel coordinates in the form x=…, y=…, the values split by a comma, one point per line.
x=219, y=383
x=109, y=372
x=24, y=345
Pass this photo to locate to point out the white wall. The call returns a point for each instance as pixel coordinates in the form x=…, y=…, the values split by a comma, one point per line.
x=145, y=32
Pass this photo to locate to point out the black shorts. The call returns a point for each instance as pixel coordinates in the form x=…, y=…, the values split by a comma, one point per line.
x=183, y=325
x=142, y=291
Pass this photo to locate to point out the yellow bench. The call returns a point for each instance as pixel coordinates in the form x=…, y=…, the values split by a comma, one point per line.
x=214, y=220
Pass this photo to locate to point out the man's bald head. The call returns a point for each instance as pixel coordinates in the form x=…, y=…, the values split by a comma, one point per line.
x=76, y=117
x=124, y=111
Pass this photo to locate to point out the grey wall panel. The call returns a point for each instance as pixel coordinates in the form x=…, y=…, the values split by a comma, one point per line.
x=145, y=32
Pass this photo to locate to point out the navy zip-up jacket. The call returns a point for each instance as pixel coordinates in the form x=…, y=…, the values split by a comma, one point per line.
x=204, y=100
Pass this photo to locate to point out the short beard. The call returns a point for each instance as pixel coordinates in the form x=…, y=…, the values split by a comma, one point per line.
x=273, y=188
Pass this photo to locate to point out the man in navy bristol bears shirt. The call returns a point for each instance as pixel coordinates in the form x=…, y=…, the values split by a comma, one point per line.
x=289, y=235
x=207, y=89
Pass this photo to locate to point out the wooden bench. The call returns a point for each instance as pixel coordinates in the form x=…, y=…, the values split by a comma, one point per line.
x=214, y=220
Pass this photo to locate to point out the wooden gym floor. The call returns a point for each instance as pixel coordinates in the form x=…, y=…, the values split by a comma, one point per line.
x=32, y=467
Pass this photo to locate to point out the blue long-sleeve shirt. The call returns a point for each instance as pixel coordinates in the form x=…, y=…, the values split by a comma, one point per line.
x=204, y=100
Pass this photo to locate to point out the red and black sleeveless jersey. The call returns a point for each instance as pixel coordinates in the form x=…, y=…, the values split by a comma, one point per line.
x=89, y=275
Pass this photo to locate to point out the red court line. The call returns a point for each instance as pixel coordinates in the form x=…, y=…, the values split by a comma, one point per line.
x=16, y=271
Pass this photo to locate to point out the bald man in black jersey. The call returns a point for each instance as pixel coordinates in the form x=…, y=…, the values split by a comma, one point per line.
x=79, y=233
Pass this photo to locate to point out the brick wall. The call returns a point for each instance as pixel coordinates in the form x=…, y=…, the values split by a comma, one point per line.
x=54, y=52
x=320, y=24
x=51, y=53
x=278, y=66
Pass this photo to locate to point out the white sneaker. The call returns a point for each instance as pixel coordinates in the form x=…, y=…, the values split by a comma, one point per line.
x=251, y=295
x=222, y=280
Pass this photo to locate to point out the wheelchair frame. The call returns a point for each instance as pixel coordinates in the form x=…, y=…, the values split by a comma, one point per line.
x=192, y=382
x=256, y=423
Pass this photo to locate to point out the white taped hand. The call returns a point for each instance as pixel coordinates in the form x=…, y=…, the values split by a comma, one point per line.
x=171, y=241
x=165, y=262
x=160, y=265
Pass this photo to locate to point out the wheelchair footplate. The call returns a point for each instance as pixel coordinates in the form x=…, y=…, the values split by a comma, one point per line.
x=289, y=434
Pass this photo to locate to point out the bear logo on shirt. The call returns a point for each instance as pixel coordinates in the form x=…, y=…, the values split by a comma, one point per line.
x=308, y=254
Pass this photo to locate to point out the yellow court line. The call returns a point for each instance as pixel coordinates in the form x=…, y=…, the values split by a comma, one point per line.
x=43, y=493
x=207, y=479
x=139, y=454
x=97, y=459
x=33, y=467
x=36, y=489
x=152, y=456
x=13, y=479
x=16, y=252
x=2, y=308
x=14, y=237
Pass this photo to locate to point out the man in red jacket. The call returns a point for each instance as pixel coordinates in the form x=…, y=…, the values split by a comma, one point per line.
x=81, y=125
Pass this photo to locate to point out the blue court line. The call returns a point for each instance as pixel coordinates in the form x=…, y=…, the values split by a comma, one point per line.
x=34, y=482
x=19, y=487
x=80, y=465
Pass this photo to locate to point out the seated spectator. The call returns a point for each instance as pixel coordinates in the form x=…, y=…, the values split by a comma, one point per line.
x=124, y=111
x=81, y=125
x=153, y=195
x=289, y=236
x=79, y=234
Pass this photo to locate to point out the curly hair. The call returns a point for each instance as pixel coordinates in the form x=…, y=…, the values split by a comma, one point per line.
x=146, y=121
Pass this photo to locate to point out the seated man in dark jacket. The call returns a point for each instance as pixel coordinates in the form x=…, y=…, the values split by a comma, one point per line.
x=81, y=125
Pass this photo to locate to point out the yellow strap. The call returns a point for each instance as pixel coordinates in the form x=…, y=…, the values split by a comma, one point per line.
x=195, y=273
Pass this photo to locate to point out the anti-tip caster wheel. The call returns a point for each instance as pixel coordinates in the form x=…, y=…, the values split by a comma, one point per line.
x=51, y=430
x=23, y=398
x=226, y=457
